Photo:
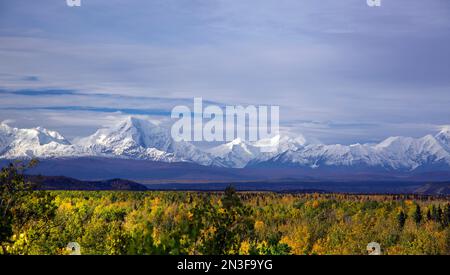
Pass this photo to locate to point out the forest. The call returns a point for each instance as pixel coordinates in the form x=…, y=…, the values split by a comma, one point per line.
x=216, y=223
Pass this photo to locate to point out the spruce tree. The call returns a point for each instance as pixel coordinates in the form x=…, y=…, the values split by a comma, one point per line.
x=434, y=213
x=439, y=214
x=401, y=219
x=429, y=217
x=446, y=215
x=417, y=215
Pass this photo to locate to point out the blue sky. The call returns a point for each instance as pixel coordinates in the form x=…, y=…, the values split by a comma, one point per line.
x=341, y=71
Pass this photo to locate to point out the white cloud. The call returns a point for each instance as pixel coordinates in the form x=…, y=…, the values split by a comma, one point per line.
x=337, y=61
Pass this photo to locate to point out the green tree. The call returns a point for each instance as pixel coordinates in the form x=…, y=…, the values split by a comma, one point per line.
x=13, y=190
x=429, y=217
x=446, y=216
x=417, y=216
x=439, y=214
x=21, y=207
x=434, y=213
x=231, y=198
x=232, y=224
x=401, y=219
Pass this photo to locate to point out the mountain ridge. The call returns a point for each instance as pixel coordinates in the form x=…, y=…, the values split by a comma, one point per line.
x=140, y=139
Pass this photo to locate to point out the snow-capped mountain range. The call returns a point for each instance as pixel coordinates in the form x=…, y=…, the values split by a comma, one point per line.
x=140, y=139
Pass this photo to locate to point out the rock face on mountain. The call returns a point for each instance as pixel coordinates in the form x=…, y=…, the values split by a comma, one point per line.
x=140, y=139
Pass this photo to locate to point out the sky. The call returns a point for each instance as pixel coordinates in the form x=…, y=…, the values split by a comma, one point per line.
x=341, y=71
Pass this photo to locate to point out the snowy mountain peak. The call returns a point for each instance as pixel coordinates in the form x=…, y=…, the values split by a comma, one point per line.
x=444, y=133
x=235, y=145
x=390, y=141
x=136, y=138
x=137, y=124
x=445, y=129
x=38, y=134
x=237, y=141
x=5, y=128
x=239, y=153
x=141, y=139
x=34, y=142
x=129, y=137
x=444, y=137
x=46, y=136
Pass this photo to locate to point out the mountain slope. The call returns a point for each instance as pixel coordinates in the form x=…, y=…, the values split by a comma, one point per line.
x=66, y=183
x=434, y=188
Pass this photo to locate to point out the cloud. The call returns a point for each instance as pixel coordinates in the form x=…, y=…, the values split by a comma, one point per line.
x=153, y=112
x=38, y=92
x=30, y=78
x=353, y=70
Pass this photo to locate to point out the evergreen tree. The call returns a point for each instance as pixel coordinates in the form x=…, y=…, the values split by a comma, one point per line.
x=434, y=213
x=446, y=215
x=401, y=219
x=429, y=217
x=231, y=198
x=417, y=215
x=439, y=214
